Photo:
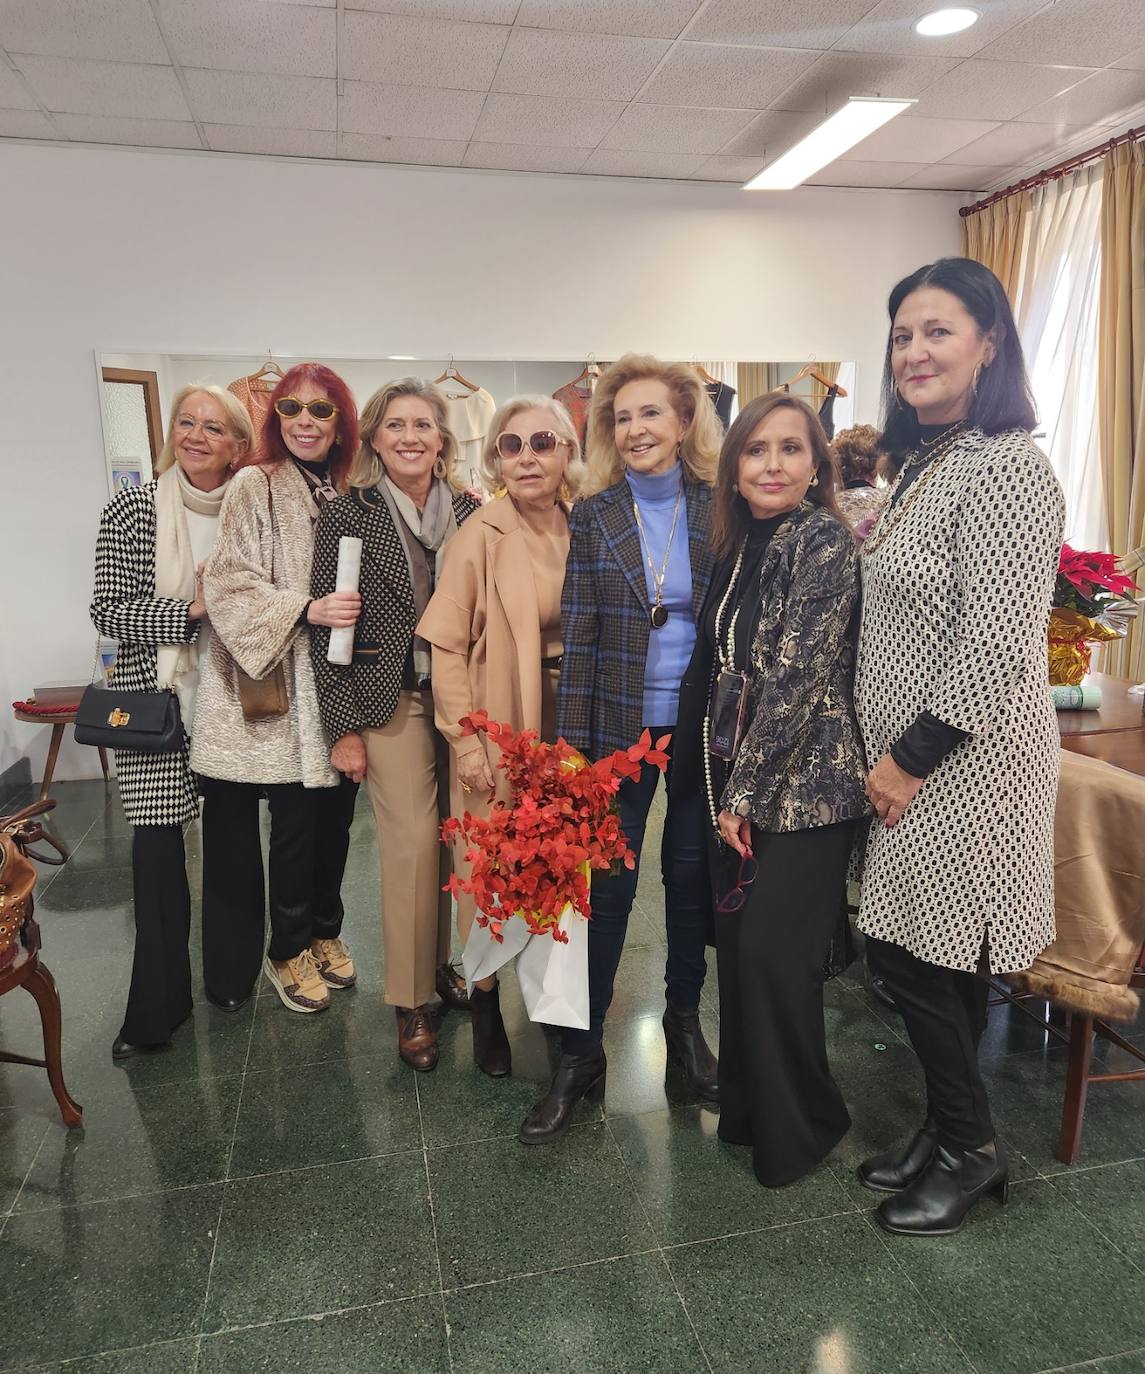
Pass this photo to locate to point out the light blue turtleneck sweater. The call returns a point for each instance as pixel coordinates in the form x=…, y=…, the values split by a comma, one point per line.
x=670, y=647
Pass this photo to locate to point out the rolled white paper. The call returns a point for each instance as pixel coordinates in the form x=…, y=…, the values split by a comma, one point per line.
x=1084, y=698
x=341, y=648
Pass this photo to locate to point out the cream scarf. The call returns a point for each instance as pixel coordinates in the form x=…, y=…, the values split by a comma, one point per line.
x=177, y=665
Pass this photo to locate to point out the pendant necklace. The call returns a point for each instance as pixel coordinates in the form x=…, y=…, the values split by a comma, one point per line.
x=659, y=613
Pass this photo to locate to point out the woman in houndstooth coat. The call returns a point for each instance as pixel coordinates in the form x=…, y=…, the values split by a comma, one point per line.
x=148, y=595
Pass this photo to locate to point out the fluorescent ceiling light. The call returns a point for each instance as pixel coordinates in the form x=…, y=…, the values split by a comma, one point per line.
x=400, y=358
x=943, y=22
x=860, y=117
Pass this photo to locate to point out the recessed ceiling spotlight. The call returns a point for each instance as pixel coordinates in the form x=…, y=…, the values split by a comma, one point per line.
x=944, y=22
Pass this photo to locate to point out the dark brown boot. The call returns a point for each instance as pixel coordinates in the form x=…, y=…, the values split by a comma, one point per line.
x=688, y=1048
x=417, y=1039
x=450, y=987
x=577, y=1076
x=491, y=1052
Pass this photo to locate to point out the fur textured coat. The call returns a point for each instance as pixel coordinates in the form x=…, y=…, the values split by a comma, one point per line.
x=257, y=584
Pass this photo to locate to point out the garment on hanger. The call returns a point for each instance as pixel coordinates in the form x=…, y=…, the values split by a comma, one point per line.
x=254, y=392
x=470, y=415
x=827, y=413
x=576, y=397
x=722, y=397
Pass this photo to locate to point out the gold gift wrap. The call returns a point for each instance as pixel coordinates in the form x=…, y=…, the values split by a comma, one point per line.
x=1071, y=638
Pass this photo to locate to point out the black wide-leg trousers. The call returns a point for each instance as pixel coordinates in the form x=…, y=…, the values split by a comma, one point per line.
x=776, y=1090
x=160, y=995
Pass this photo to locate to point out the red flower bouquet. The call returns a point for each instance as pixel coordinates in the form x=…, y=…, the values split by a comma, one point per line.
x=1091, y=605
x=533, y=856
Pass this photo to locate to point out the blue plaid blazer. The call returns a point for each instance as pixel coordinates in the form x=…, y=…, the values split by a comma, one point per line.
x=605, y=612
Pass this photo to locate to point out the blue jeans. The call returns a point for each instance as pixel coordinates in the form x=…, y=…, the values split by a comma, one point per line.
x=687, y=897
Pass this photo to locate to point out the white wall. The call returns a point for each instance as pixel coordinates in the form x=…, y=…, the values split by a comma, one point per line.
x=155, y=252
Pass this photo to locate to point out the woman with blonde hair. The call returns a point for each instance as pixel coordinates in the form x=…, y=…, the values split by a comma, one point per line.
x=494, y=624
x=639, y=564
x=378, y=709
x=153, y=541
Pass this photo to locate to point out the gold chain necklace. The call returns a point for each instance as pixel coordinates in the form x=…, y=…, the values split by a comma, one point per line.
x=893, y=511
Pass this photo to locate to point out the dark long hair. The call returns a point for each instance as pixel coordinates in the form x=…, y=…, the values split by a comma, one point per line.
x=1003, y=400
x=272, y=448
x=731, y=515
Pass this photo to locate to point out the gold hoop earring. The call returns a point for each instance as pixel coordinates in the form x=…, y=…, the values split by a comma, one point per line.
x=814, y=481
x=974, y=380
x=898, y=398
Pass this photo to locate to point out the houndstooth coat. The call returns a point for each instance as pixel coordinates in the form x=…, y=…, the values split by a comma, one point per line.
x=956, y=597
x=156, y=789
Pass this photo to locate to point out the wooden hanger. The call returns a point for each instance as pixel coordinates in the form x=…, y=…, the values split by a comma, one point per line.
x=704, y=375
x=589, y=374
x=812, y=371
x=267, y=377
x=451, y=374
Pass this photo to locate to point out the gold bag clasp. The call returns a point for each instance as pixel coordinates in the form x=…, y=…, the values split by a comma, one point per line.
x=118, y=717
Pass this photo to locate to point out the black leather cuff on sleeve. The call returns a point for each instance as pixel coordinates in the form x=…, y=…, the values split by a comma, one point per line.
x=924, y=744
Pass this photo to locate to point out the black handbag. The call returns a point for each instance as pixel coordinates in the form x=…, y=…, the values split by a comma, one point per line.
x=147, y=722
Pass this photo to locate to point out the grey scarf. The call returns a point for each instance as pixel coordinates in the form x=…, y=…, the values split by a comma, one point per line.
x=428, y=529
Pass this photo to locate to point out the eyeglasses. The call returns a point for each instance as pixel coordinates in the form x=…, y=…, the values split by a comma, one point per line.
x=290, y=406
x=748, y=871
x=544, y=441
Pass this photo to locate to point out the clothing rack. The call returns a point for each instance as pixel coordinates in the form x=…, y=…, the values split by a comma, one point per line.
x=1071, y=164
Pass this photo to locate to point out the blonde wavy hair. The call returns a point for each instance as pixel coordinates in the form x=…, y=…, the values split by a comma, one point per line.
x=238, y=421
x=563, y=428
x=367, y=469
x=700, y=446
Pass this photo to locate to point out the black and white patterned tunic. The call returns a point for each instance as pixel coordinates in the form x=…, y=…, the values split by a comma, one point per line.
x=156, y=789
x=956, y=596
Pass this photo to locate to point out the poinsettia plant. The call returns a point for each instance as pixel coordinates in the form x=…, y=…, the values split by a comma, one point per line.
x=1092, y=604
x=1087, y=581
x=534, y=854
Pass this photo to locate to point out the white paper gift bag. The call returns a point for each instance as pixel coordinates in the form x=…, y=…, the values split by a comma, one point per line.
x=483, y=955
x=554, y=975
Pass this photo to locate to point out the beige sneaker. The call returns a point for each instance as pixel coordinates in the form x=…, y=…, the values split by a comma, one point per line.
x=335, y=967
x=298, y=983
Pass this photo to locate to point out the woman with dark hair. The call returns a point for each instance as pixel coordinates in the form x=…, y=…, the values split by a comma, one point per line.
x=952, y=698
x=859, y=453
x=767, y=734
x=257, y=588
x=638, y=567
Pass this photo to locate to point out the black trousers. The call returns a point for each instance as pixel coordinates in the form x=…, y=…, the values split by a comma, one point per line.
x=776, y=1090
x=945, y=1014
x=160, y=994
x=309, y=841
x=686, y=904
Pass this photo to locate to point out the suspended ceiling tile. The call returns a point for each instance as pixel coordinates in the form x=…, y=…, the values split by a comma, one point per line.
x=1086, y=33
x=771, y=133
x=1103, y=98
x=277, y=102
x=639, y=18
x=114, y=30
x=26, y=124
x=404, y=51
x=612, y=162
x=243, y=138
x=889, y=28
x=873, y=174
x=514, y=157
x=546, y=123
x=14, y=93
x=140, y=133
x=582, y=66
x=711, y=74
x=129, y=89
x=408, y=111
x=837, y=76
x=912, y=138
x=947, y=176
x=779, y=23
x=426, y=152
x=1016, y=144
x=996, y=90
x=723, y=168
x=675, y=129
x=252, y=36
x=471, y=11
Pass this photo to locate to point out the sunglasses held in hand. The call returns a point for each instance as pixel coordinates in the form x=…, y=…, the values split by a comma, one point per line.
x=290, y=406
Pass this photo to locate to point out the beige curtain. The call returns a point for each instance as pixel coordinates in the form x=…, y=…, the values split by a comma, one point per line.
x=818, y=390
x=755, y=379
x=1121, y=374
x=996, y=237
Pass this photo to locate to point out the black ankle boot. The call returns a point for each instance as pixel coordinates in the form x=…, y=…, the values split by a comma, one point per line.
x=937, y=1202
x=577, y=1076
x=491, y=1052
x=688, y=1048
x=894, y=1170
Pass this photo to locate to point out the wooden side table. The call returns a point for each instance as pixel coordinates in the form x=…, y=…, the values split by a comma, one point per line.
x=59, y=721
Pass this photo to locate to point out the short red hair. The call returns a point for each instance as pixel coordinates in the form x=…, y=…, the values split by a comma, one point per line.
x=272, y=448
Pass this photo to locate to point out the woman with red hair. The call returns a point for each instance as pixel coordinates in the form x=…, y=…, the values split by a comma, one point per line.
x=261, y=730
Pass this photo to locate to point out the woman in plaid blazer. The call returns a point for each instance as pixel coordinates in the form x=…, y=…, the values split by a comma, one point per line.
x=639, y=566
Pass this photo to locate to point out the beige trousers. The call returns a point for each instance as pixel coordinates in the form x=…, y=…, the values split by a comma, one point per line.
x=407, y=778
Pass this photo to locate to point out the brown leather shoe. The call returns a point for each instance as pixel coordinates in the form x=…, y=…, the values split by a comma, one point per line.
x=417, y=1039
x=450, y=987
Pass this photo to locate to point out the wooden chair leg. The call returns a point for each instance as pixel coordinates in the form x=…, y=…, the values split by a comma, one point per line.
x=53, y=754
x=1076, y=1086
x=103, y=763
x=42, y=986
